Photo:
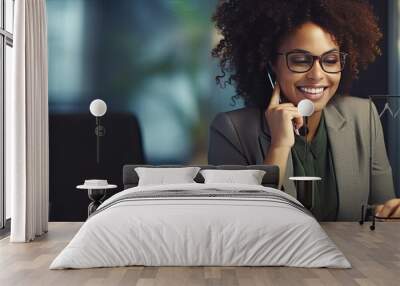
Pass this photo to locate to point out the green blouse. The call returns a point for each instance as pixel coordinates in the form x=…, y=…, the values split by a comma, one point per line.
x=318, y=162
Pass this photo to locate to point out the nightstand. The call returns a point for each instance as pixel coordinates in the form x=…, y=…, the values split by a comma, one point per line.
x=96, y=192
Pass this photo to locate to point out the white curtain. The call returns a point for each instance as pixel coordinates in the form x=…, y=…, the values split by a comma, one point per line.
x=27, y=166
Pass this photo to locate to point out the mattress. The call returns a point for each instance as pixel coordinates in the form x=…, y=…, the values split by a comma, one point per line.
x=201, y=225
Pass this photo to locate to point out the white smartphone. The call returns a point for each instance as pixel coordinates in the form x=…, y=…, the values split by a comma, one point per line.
x=272, y=84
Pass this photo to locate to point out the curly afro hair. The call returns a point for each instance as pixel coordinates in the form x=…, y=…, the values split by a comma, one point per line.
x=252, y=31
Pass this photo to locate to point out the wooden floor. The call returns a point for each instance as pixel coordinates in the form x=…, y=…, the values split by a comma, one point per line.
x=375, y=256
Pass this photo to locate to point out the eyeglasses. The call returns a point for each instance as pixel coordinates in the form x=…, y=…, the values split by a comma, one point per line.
x=300, y=62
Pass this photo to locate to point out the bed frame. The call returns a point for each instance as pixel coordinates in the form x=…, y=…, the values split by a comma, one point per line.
x=270, y=179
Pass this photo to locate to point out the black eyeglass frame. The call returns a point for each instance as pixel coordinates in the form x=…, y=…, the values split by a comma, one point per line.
x=319, y=58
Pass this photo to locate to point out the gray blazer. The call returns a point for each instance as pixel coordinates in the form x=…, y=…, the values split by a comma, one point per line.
x=242, y=137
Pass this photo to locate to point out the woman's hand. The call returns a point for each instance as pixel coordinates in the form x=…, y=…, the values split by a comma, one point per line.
x=391, y=209
x=279, y=117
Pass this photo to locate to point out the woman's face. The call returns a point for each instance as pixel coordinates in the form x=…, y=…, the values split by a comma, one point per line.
x=297, y=86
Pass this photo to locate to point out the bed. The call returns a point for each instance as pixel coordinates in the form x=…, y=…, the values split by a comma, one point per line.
x=201, y=223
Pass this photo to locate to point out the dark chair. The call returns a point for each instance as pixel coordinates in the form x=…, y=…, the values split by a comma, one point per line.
x=72, y=143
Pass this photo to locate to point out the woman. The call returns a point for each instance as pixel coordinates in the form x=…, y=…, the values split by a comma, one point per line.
x=315, y=49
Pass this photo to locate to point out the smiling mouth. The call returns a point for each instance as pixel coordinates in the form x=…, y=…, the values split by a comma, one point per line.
x=312, y=93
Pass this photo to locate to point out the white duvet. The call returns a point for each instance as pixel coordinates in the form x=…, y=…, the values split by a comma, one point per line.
x=185, y=231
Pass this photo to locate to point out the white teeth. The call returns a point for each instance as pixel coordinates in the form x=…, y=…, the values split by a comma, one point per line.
x=312, y=90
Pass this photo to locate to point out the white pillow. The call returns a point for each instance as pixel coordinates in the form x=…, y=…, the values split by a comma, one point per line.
x=248, y=177
x=162, y=176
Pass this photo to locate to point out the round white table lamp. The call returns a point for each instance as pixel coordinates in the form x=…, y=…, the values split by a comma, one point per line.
x=306, y=108
x=98, y=108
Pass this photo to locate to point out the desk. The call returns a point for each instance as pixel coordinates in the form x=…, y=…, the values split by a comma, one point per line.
x=374, y=255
